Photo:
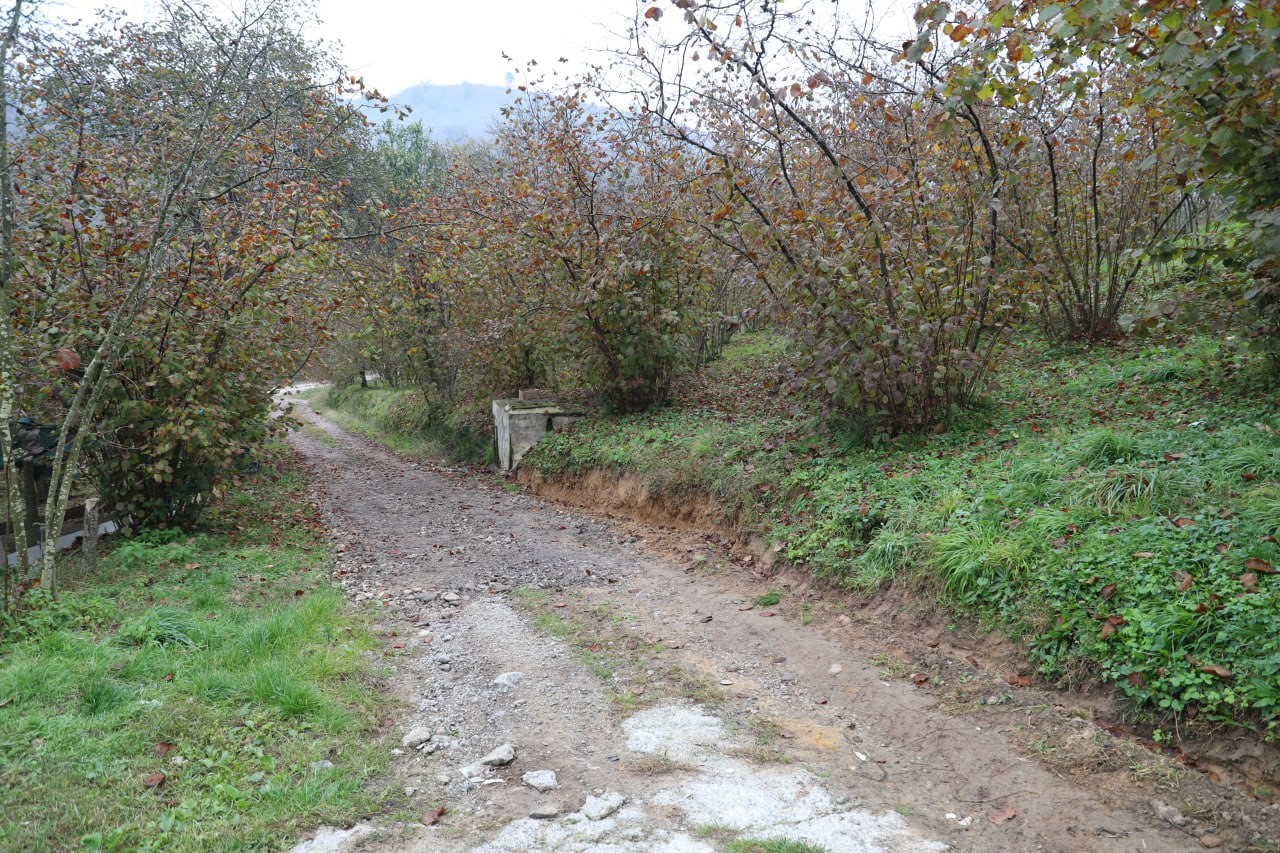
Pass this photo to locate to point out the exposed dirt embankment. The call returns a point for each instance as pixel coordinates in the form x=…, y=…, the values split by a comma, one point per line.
x=628, y=494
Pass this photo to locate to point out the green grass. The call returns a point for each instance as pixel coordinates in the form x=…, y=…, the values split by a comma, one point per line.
x=1033, y=515
x=222, y=660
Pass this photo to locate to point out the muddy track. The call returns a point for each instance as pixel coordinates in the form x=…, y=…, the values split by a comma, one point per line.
x=677, y=714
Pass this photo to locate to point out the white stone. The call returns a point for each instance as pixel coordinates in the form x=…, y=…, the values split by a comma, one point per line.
x=416, y=737
x=508, y=680
x=541, y=780
x=503, y=755
x=599, y=808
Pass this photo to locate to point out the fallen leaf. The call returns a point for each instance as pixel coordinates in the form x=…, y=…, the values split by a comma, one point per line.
x=973, y=661
x=919, y=679
x=767, y=613
x=1183, y=521
x=1184, y=580
x=432, y=816
x=155, y=780
x=67, y=359
x=1249, y=581
x=559, y=604
x=1108, y=590
x=595, y=647
x=1001, y=815
x=163, y=748
x=1257, y=564
x=1222, y=547
x=1019, y=680
x=1143, y=554
x=1213, y=669
x=746, y=607
x=1135, y=678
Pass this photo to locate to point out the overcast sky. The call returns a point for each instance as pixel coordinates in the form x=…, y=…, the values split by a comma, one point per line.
x=395, y=44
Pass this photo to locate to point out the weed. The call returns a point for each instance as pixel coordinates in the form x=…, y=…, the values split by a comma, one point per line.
x=890, y=668
x=717, y=832
x=554, y=625
x=768, y=599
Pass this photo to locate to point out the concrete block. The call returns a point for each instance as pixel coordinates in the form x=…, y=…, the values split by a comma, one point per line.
x=518, y=424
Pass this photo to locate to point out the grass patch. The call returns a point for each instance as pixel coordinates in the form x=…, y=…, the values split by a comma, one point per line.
x=223, y=661
x=768, y=599
x=1104, y=508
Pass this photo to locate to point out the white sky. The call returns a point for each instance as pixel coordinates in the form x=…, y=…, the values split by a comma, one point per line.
x=395, y=44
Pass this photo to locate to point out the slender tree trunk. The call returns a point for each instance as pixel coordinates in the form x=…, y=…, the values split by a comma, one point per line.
x=89, y=549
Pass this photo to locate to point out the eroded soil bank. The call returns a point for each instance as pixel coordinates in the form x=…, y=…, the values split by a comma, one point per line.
x=678, y=714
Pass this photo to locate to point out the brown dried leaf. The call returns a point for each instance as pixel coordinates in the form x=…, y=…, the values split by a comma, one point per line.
x=432, y=816
x=1213, y=669
x=1183, y=521
x=1257, y=564
x=163, y=748
x=1000, y=816
x=1184, y=580
x=1143, y=554
x=1249, y=581
x=155, y=780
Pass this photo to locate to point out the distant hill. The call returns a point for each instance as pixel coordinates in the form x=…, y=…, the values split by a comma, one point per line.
x=456, y=112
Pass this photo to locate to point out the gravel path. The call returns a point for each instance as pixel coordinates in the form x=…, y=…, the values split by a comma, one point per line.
x=568, y=682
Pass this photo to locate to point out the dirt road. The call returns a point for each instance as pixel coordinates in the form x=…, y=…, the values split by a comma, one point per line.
x=675, y=713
